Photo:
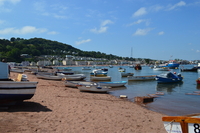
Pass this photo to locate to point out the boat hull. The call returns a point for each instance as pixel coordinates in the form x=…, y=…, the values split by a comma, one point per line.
x=141, y=78
x=49, y=77
x=75, y=83
x=11, y=91
x=123, y=74
x=93, y=89
x=113, y=84
x=95, y=78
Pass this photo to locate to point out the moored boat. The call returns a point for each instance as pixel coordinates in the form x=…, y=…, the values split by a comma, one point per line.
x=120, y=69
x=124, y=74
x=172, y=64
x=160, y=68
x=169, y=77
x=138, y=67
x=198, y=81
x=99, y=73
x=103, y=78
x=141, y=78
x=86, y=68
x=194, y=69
x=113, y=84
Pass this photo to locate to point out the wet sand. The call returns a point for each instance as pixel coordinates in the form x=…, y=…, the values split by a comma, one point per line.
x=58, y=109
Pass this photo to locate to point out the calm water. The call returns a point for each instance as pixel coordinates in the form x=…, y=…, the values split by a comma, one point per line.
x=174, y=102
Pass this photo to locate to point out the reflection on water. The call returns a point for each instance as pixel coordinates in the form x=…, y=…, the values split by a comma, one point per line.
x=168, y=87
x=198, y=86
x=118, y=88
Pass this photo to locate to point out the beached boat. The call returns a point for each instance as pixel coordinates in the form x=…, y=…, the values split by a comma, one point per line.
x=48, y=77
x=99, y=73
x=12, y=91
x=97, y=78
x=65, y=72
x=182, y=124
x=73, y=78
x=141, y=78
x=113, y=84
x=17, y=70
x=75, y=83
x=94, y=88
x=169, y=77
x=124, y=74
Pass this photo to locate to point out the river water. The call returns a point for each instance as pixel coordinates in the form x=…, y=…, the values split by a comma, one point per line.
x=174, y=102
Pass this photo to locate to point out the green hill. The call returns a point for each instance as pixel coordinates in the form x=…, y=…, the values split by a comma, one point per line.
x=12, y=49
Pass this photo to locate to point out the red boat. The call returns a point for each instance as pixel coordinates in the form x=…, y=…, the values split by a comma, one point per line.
x=198, y=81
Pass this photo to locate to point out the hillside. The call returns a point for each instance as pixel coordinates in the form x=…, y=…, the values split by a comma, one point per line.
x=12, y=49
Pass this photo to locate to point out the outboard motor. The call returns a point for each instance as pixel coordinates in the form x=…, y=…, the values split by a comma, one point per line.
x=179, y=75
x=24, y=77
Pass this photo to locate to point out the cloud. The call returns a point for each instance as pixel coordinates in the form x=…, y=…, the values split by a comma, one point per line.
x=156, y=8
x=198, y=51
x=140, y=12
x=2, y=21
x=138, y=22
x=142, y=32
x=103, y=28
x=23, y=30
x=82, y=41
x=161, y=33
x=10, y=1
x=52, y=33
x=181, y=3
x=56, y=11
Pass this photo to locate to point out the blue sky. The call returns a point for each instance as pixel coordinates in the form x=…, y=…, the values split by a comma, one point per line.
x=155, y=29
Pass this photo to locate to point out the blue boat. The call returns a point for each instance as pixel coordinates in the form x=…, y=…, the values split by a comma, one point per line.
x=172, y=64
x=169, y=77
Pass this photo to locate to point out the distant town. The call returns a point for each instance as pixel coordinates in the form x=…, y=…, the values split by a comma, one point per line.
x=70, y=60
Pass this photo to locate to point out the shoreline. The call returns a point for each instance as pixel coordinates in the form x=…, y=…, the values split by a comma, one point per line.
x=56, y=108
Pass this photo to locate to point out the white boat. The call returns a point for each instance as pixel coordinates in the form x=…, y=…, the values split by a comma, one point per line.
x=17, y=70
x=73, y=77
x=98, y=73
x=12, y=91
x=124, y=74
x=113, y=84
x=182, y=124
x=75, y=83
x=48, y=77
x=159, y=68
x=141, y=78
x=103, y=78
x=94, y=88
x=120, y=69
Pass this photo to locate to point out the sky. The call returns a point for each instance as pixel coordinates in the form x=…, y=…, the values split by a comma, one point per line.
x=153, y=29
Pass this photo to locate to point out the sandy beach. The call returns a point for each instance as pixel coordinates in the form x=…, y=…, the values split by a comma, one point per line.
x=58, y=109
